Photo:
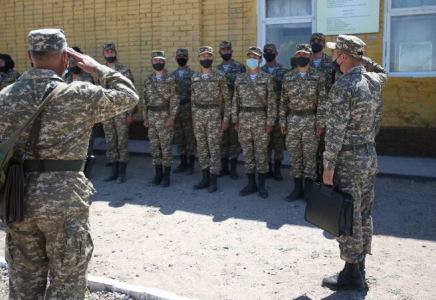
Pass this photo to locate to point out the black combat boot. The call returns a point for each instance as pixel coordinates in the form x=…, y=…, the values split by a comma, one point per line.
x=233, y=174
x=166, y=177
x=362, y=270
x=183, y=164
x=261, y=186
x=270, y=173
x=204, y=182
x=190, y=168
x=224, y=166
x=158, y=177
x=277, y=171
x=122, y=174
x=212, y=183
x=251, y=188
x=297, y=193
x=114, y=172
x=349, y=278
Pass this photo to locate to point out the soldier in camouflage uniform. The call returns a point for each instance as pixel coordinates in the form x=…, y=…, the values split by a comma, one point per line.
x=183, y=128
x=254, y=112
x=159, y=111
x=76, y=73
x=116, y=129
x=302, y=117
x=229, y=145
x=49, y=251
x=277, y=140
x=211, y=114
x=7, y=73
x=350, y=159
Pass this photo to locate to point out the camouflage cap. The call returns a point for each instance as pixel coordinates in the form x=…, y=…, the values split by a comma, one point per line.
x=271, y=47
x=255, y=50
x=205, y=49
x=158, y=54
x=317, y=35
x=225, y=44
x=108, y=46
x=349, y=44
x=306, y=48
x=181, y=51
x=47, y=40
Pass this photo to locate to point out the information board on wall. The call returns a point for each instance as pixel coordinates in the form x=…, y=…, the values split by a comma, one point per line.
x=348, y=16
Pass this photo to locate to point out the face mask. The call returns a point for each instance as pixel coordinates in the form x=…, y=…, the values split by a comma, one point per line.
x=252, y=63
x=269, y=57
x=302, y=61
x=3, y=69
x=206, y=63
x=337, y=66
x=75, y=70
x=111, y=59
x=226, y=57
x=316, y=48
x=158, y=66
x=182, y=62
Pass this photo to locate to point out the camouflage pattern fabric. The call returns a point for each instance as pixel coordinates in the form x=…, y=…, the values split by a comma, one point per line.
x=299, y=94
x=352, y=120
x=82, y=76
x=252, y=125
x=159, y=134
x=8, y=78
x=325, y=67
x=183, y=125
x=49, y=39
x=54, y=236
x=207, y=121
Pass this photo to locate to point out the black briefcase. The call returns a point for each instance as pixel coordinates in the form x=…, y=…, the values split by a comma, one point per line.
x=328, y=208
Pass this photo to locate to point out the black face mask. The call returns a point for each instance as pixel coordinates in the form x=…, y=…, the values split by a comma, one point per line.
x=337, y=66
x=206, y=63
x=3, y=69
x=316, y=48
x=269, y=57
x=111, y=59
x=75, y=70
x=158, y=66
x=226, y=57
x=302, y=61
x=182, y=61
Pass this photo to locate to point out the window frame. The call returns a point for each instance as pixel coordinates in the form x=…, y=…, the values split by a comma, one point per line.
x=400, y=12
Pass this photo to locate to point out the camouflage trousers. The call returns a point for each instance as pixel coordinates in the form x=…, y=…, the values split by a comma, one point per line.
x=59, y=247
x=230, y=146
x=207, y=129
x=276, y=143
x=160, y=137
x=355, y=174
x=184, y=132
x=254, y=142
x=116, y=133
x=302, y=144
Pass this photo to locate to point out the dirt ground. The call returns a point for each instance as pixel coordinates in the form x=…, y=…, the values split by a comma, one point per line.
x=222, y=246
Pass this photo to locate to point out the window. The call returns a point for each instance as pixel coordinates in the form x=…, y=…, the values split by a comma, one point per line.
x=285, y=23
x=410, y=38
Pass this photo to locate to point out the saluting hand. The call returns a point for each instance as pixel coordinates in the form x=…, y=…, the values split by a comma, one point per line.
x=83, y=61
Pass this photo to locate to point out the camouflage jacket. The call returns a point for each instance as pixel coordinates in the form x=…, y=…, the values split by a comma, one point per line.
x=160, y=93
x=278, y=74
x=325, y=67
x=304, y=94
x=213, y=89
x=352, y=119
x=183, y=83
x=235, y=68
x=8, y=78
x=66, y=127
x=245, y=95
x=83, y=76
x=370, y=66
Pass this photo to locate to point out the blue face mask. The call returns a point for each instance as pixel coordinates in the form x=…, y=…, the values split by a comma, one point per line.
x=252, y=63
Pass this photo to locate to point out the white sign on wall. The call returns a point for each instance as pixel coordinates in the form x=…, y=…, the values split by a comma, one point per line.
x=348, y=16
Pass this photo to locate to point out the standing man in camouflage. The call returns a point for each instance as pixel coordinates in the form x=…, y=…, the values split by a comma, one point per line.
x=183, y=128
x=277, y=140
x=116, y=129
x=350, y=159
x=49, y=251
x=229, y=145
x=254, y=112
x=76, y=73
x=211, y=113
x=159, y=111
x=302, y=117
x=7, y=73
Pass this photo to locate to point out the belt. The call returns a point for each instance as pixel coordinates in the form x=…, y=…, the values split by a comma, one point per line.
x=158, y=108
x=54, y=165
x=306, y=112
x=205, y=106
x=184, y=101
x=356, y=147
x=252, y=109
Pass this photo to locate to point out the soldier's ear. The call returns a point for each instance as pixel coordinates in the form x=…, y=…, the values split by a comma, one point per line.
x=29, y=56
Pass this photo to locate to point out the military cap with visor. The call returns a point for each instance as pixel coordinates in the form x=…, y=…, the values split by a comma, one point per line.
x=255, y=50
x=157, y=54
x=225, y=44
x=48, y=39
x=205, y=49
x=305, y=48
x=181, y=51
x=109, y=46
x=348, y=44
